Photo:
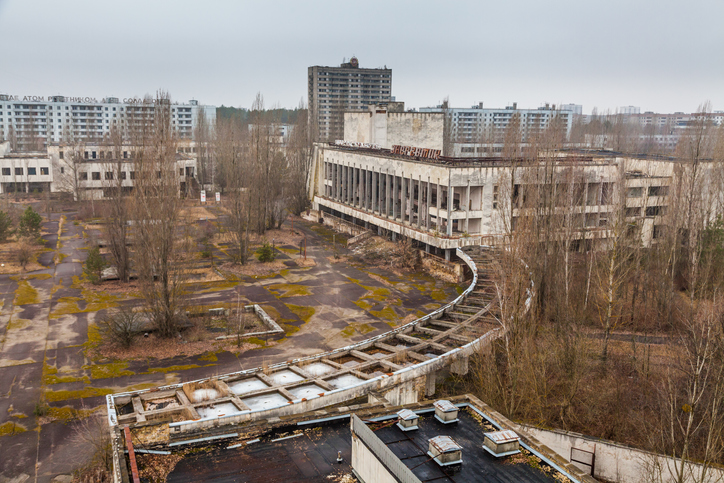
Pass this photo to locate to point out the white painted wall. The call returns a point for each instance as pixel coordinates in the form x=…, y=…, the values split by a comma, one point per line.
x=422, y=130
x=616, y=462
x=369, y=469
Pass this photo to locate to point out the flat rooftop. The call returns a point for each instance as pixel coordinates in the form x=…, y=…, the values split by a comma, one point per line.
x=478, y=465
x=308, y=453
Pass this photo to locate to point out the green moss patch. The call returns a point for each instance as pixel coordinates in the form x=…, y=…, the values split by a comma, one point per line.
x=364, y=304
x=388, y=313
x=25, y=294
x=10, y=428
x=112, y=369
x=304, y=313
x=52, y=396
x=283, y=290
x=65, y=306
x=165, y=370
x=211, y=356
x=256, y=341
x=18, y=324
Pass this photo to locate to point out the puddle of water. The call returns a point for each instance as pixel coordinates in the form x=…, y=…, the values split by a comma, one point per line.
x=344, y=381
x=285, y=377
x=205, y=395
x=306, y=391
x=247, y=385
x=267, y=401
x=217, y=410
x=318, y=369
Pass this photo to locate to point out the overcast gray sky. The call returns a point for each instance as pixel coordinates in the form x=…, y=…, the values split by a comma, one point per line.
x=660, y=55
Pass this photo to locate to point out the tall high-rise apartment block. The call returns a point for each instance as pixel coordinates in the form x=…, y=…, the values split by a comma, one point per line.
x=334, y=90
x=31, y=123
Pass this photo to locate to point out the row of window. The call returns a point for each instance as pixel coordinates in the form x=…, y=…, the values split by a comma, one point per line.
x=21, y=171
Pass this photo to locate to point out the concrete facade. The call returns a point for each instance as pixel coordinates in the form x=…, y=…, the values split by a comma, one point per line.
x=453, y=203
x=386, y=128
x=87, y=173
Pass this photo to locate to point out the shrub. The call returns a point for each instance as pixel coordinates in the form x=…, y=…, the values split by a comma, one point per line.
x=94, y=265
x=265, y=253
x=6, y=224
x=120, y=326
x=25, y=252
x=29, y=225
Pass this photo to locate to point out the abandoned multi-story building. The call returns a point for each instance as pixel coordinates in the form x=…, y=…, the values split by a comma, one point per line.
x=335, y=90
x=31, y=123
x=85, y=171
x=444, y=203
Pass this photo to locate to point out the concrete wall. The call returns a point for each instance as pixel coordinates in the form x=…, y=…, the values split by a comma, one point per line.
x=618, y=463
x=422, y=130
x=367, y=467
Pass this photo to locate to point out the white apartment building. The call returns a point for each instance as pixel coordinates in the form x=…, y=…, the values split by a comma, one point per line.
x=30, y=123
x=333, y=91
x=483, y=125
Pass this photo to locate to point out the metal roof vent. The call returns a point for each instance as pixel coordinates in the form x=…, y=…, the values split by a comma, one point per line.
x=502, y=443
x=446, y=412
x=408, y=420
x=445, y=451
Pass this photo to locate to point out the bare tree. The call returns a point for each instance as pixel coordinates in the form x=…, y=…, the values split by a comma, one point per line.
x=158, y=250
x=117, y=226
x=299, y=159
x=237, y=179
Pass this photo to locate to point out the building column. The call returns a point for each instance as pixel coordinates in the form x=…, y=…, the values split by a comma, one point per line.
x=411, y=199
x=374, y=191
x=345, y=186
x=419, y=202
x=388, y=194
x=403, y=197
x=395, y=193
x=363, y=173
x=336, y=182
x=427, y=205
x=430, y=384
x=467, y=207
x=438, y=224
x=355, y=183
x=450, y=199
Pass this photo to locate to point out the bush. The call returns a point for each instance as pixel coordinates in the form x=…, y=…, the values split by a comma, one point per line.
x=25, y=252
x=120, y=326
x=94, y=265
x=265, y=253
x=6, y=224
x=29, y=225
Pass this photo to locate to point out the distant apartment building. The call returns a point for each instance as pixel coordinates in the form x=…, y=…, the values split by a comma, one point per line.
x=483, y=125
x=31, y=123
x=649, y=131
x=336, y=90
x=628, y=110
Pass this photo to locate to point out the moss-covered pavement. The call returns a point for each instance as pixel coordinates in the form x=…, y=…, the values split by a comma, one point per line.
x=47, y=323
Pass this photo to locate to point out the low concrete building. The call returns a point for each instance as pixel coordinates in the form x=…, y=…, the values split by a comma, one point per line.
x=447, y=203
x=87, y=171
